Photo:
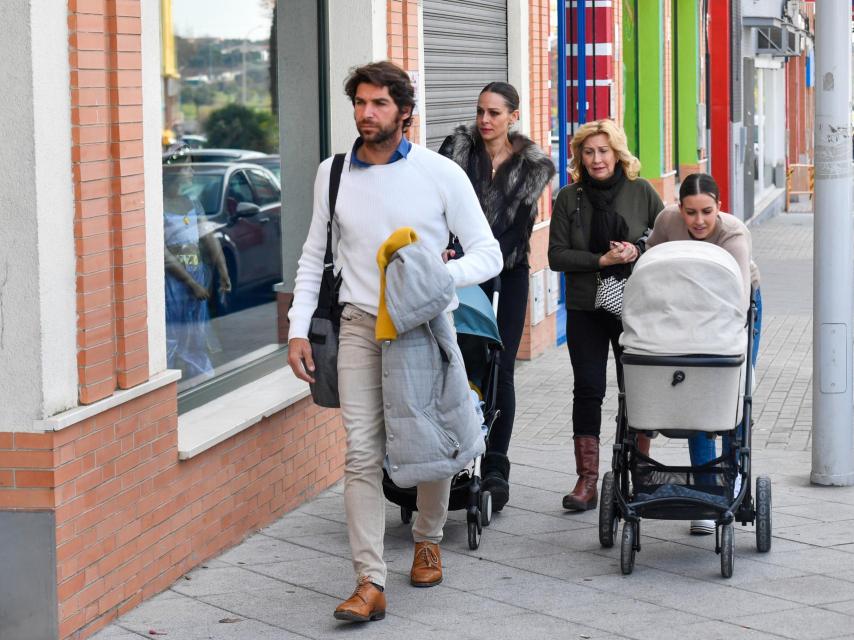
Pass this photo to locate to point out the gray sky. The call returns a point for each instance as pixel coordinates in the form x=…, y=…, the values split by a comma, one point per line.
x=220, y=18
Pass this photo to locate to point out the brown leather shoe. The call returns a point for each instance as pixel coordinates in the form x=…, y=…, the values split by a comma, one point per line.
x=585, y=495
x=367, y=603
x=426, y=565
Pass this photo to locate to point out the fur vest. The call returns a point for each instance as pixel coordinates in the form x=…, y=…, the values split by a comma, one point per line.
x=509, y=200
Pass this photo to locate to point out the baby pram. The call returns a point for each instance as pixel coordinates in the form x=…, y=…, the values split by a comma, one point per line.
x=480, y=344
x=686, y=362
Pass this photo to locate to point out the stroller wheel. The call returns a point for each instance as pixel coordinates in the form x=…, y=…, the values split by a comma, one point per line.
x=474, y=532
x=485, y=508
x=763, y=514
x=609, y=520
x=627, y=548
x=405, y=515
x=727, y=544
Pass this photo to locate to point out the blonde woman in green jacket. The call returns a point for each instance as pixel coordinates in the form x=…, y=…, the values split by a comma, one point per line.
x=594, y=227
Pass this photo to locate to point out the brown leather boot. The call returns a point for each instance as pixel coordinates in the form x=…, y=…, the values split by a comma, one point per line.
x=643, y=444
x=585, y=495
x=367, y=603
x=426, y=565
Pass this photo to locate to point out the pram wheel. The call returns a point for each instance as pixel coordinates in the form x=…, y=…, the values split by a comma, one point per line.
x=474, y=529
x=405, y=515
x=608, y=519
x=763, y=514
x=485, y=508
x=627, y=548
x=727, y=544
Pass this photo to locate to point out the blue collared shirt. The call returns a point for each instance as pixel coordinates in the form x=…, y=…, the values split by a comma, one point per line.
x=401, y=152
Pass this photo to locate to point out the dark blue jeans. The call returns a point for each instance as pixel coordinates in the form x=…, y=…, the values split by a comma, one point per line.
x=702, y=448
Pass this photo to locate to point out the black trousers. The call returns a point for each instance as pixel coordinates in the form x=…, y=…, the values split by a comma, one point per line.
x=588, y=335
x=512, y=304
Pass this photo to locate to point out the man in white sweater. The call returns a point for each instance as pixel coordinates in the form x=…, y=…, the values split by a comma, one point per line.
x=387, y=183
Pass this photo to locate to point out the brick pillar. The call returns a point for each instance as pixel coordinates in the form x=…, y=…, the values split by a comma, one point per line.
x=106, y=105
x=402, y=21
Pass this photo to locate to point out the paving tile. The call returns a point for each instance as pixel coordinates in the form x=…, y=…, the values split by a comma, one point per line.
x=821, y=511
x=115, y=632
x=177, y=617
x=262, y=549
x=802, y=623
x=566, y=565
x=705, y=630
x=846, y=607
x=823, y=534
x=706, y=565
x=301, y=524
x=227, y=579
x=310, y=614
x=531, y=625
x=814, y=589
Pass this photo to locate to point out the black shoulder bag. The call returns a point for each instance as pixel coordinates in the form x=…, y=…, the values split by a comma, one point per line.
x=326, y=320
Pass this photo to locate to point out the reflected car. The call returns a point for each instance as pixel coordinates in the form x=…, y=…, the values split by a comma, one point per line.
x=242, y=204
x=270, y=162
x=218, y=155
x=194, y=141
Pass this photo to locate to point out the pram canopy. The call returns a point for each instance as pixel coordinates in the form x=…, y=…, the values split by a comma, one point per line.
x=684, y=298
x=474, y=316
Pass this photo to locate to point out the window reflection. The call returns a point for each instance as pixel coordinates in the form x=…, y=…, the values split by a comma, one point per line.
x=221, y=187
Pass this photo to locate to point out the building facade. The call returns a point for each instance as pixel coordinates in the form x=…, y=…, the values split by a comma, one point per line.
x=723, y=87
x=117, y=473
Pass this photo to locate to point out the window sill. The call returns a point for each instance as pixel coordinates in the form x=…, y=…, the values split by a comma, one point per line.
x=206, y=426
x=84, y=412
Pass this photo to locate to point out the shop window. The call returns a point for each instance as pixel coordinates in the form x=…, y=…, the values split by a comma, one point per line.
x=221, y=194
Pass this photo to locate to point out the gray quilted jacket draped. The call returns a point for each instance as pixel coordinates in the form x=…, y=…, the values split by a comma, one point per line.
x=432, y=428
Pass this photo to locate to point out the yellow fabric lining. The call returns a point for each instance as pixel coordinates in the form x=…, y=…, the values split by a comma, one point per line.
x=397, y=240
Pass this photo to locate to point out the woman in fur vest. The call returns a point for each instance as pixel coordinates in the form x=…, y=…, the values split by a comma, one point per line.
x=508, y=172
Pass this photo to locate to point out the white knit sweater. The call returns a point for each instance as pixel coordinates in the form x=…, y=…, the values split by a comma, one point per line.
x=425, y=191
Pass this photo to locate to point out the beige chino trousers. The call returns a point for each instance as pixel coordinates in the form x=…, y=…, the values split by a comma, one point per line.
x=360, y=392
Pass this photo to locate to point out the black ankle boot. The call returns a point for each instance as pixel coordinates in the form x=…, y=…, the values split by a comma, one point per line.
x=495, y=471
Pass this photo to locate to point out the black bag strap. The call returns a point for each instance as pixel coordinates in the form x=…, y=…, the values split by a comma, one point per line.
x=327, y=299
x=334, y=183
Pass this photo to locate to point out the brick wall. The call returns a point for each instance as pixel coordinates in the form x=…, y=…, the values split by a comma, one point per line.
x=106, y=115
x=537, y=338
x=402, y=25
x=131, y=518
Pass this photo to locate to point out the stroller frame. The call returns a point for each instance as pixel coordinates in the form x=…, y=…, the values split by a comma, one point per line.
x=619, y=491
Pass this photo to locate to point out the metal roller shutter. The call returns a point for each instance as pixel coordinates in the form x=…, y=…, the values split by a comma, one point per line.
x=465, y=47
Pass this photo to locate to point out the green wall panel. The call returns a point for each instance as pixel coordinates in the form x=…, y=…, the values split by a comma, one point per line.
x=650, y=65
x=687, y=80
x=630, y=74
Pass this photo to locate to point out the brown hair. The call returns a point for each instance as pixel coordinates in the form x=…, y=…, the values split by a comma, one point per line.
x=616, y=138
x=384, y=74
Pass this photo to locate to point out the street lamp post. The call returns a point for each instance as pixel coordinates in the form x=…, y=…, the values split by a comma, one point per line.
x=833, y=273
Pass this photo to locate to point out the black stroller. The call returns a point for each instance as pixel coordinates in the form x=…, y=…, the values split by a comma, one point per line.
x=686, y=362
x=480, y=344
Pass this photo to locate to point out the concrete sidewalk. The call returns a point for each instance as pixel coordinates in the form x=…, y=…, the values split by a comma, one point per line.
x=540, y=572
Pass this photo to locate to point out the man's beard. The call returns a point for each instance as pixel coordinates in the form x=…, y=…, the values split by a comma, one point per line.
x=380, y=135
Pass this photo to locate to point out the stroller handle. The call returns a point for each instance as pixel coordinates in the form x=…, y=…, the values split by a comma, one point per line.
x=495, y=285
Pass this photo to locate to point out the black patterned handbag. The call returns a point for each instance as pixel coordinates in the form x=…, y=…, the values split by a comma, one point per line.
x=326, y=320
x=609, y=294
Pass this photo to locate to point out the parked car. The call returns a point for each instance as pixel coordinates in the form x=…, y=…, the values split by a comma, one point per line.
x=242, y=204
x=194, y=141
x=217, y=155
x=272, y=162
